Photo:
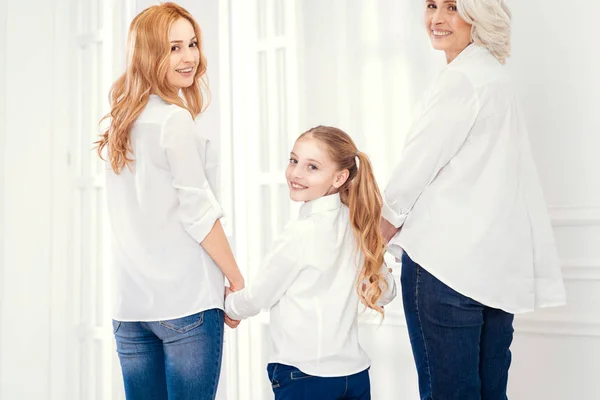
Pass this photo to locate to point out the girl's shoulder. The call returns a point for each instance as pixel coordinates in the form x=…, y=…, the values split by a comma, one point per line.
x=299, y=227
x=296, y=240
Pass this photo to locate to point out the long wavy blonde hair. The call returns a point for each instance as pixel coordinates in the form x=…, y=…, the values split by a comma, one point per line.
x=363, y=198
x=148, y=61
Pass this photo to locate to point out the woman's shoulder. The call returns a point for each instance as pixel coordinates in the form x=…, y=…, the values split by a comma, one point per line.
x=479, y=69
x=452, y=83
x=163, y=113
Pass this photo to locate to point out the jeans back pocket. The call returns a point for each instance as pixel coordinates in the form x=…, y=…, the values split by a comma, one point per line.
x=116, y=325
x=271, y=371
x=184, y=324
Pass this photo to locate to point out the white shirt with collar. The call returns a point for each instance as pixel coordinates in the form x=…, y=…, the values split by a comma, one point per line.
x=467, y=196
x=160, y=209
x=308, y=281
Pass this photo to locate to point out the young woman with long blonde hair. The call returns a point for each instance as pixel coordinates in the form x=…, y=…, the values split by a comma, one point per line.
x=169, y=251
x=319, y=269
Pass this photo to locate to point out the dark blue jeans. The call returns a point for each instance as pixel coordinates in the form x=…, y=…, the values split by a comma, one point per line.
x=178, y=359
x=289, y=383
x=461, y=347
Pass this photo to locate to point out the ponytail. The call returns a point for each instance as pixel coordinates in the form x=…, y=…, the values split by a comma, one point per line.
x=364, y=201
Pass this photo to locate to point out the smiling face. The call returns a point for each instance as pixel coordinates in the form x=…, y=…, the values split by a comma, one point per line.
x=185, y=54
x=447, y=30
x=311, y=172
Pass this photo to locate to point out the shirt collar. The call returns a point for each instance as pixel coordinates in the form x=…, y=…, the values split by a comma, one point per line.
x=325, y=203
x=467, y=52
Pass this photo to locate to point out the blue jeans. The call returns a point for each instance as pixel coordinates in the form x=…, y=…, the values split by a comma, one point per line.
x=289, y=383
x=177, y=359
x=461, y=347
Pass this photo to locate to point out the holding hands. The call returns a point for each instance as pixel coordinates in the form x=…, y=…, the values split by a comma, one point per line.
x=233, y=287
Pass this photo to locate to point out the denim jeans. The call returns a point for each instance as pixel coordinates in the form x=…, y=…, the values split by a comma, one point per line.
x=460, y=347
x=177, y=359
x=289, y=383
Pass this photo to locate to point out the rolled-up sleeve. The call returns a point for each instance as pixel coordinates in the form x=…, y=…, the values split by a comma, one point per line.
x=279, y=270
x=434, y=139
x=198, y=208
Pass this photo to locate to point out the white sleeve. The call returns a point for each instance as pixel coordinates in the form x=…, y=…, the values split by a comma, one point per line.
x=279, y=270
x=198, y=208
x=390, y=293
x=433, y=141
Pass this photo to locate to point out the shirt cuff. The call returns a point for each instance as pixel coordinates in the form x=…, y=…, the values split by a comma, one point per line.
x=390, y=293
x=230, y=308
x=200, y=230
x=391, y=216
x=395, y=249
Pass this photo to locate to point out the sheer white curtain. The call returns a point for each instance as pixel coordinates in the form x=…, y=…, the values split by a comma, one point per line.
x=364, y=64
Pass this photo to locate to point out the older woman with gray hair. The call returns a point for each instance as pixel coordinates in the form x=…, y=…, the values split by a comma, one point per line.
x=465, y=211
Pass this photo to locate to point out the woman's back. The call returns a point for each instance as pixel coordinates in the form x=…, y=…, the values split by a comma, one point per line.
x=484, y=212
x=160, y=207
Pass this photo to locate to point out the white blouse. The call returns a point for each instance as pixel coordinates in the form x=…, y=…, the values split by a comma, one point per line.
x=160, y=209
x=308, y=282
x=467, y=196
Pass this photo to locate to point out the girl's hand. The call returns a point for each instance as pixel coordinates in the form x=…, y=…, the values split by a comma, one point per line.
x=232, y=323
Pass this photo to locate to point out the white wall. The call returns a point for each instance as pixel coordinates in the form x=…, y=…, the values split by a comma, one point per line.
x=31, y=115
x=27, y=183
x=3, y=20
x=555, y=67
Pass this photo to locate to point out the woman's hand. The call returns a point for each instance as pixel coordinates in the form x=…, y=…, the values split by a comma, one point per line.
x=217, y=247
x=235, y=285
x=387, y=230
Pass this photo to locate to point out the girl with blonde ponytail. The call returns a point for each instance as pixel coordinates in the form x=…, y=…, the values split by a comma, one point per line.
x=319, y=269
x=169, y=252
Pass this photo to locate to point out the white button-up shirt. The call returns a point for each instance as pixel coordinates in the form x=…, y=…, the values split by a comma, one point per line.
x=160, y=209
x=308, y=280
x=466, y=192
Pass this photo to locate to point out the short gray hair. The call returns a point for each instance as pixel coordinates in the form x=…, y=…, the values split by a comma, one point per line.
x=490, y=21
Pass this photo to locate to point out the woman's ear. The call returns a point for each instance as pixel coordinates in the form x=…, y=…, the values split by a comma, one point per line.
x=340, y=178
